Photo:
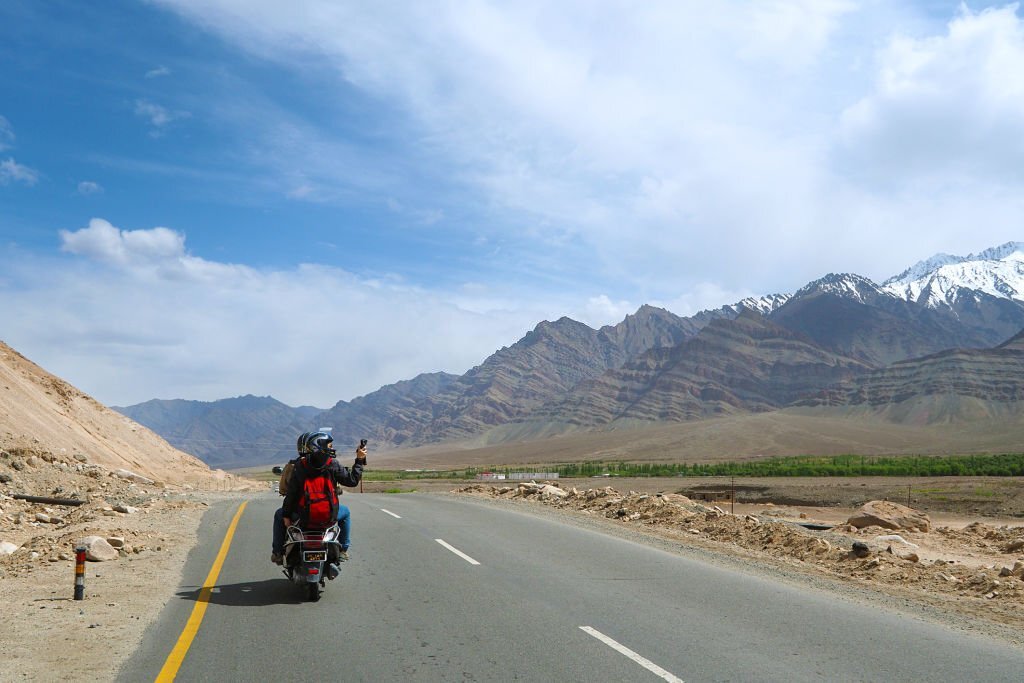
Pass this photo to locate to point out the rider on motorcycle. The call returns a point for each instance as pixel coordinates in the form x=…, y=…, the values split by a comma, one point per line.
x=316, y=453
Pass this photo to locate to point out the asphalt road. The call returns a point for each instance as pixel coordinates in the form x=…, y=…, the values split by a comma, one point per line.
x=546, y=602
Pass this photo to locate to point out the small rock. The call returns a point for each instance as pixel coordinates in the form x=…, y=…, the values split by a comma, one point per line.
x=81, y=457
x=33, y=461
x=18, y=465
x=5, y=478
x=1014, y=546
x=7, y=548
x=98, y=550
x=116, y=541
x=126, y=509
x=860, y=549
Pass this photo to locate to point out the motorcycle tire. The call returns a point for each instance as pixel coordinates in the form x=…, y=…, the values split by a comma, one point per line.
x=314, y=591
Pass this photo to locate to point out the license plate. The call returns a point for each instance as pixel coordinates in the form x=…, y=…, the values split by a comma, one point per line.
x=314, y=556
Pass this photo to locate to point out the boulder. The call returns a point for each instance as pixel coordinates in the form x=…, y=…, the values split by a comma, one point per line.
x=132, y=476
x=887, y=515
x=860, y=549
x=549, y=491
x=98, y=550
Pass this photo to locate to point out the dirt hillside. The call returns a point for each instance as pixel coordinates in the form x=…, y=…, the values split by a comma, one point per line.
x=116, y=482
x=41, y=413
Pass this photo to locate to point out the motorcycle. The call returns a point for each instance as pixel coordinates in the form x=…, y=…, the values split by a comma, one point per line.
x=311, y=558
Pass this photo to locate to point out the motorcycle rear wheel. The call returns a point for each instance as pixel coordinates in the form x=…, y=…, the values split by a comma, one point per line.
x=313, y=591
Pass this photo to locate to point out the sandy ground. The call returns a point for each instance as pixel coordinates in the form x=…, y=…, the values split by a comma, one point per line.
x=47, y=635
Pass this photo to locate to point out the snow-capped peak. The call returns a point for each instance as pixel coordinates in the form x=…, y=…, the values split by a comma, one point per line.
x=997, y=272
x=1011, y=251
x=923, y=268
x=765, y=305
x=846, y=285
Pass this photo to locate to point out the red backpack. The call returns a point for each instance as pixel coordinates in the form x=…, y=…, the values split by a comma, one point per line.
x=318, y=502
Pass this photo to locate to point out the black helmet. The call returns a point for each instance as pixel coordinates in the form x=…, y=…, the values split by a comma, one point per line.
x=319, y=448
x=300, y=445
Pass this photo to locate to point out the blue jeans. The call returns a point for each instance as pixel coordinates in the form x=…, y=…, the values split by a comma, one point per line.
x=344, y=523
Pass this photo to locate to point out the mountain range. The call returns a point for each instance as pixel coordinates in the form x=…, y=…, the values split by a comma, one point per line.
x=928, y=344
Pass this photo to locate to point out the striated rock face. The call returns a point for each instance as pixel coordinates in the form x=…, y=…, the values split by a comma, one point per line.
x=747, y=364
x=549, y=361
x=852, y=316
x=951, y=384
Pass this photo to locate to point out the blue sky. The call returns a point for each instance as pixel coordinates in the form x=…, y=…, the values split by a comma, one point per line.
x=201, y=199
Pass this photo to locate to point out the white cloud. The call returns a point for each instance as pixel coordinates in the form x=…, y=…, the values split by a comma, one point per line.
x=601, y=310
x=649, y=134
x=159, y=117
x=158, y=72
x=692, y=153
x=130, y=315
x=88, y=187
x=11, y=171
x=946, y=106
x=6, y=134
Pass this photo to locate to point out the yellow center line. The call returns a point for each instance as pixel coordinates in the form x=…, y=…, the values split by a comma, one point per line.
x=177, y=655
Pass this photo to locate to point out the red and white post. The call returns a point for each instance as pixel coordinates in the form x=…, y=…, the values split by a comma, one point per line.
x=80, y=572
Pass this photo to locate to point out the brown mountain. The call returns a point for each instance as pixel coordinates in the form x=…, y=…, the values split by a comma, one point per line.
x=851, y=315
x=549, y=361
x=732, y=366
x=948, y=386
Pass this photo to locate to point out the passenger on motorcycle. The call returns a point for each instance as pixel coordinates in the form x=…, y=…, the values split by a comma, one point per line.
x=316, y=453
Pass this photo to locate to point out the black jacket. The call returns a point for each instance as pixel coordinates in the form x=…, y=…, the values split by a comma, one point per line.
x=342, y=475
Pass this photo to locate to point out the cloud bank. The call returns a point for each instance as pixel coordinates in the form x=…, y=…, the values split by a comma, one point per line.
x=139, y=317
x=681, y=145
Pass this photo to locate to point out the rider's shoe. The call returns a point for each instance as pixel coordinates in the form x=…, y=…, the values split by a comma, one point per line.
x=343, y=556
x=276, y=559
x=332, y=572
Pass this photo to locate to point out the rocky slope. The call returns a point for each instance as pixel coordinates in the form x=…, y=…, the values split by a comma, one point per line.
x=744, y=365
x=952, y=385
x=42, y=414
x=550, y=360
x=851, y=315
x=227, y=431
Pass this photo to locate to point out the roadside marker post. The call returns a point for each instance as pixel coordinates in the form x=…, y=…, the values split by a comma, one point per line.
x=80, y=572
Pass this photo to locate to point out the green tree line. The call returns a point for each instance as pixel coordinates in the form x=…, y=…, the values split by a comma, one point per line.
x=1003, y=465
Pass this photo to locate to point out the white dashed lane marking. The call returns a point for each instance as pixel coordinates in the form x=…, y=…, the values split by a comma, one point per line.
x=622, y=649
x=458, y=552
x=391, y=513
